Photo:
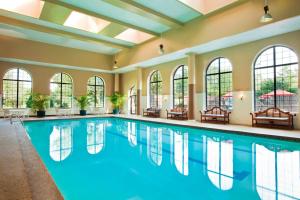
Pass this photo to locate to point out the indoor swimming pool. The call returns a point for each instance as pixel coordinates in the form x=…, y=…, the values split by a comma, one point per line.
x=114, y=158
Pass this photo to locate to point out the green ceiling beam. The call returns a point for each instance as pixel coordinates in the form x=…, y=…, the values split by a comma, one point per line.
x=144, y=11
x=99, y=15
x=55, y=13
x=112, y=30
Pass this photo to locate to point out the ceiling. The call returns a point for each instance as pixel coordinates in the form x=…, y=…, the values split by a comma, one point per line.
x=102, y=26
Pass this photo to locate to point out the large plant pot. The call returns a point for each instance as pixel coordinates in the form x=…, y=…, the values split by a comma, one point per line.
x=116, y=111
x=40, y=113
x=82, y=112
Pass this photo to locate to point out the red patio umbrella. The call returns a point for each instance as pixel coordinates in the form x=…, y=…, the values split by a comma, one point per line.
x=282, y=93
x=227, y=95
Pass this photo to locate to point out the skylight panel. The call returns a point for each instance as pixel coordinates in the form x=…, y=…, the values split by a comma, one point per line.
x=134, y=36
x=32, y=8
x=85, y=22
x=207, y=6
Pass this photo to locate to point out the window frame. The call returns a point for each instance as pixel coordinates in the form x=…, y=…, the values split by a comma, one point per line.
x=61, y=83
x=182, y=78
x=156, y=83
x=18, y=85
x=95, y=91
x=274, y=67
x=219, y=73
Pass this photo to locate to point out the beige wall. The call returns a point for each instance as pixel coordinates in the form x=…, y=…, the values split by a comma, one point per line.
x=41, y=78
x=36, y=51
x=241, y=58
x=166, y=71
x=233, y=20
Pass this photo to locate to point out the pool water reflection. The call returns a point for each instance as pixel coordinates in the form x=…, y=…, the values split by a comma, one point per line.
x=111, y=158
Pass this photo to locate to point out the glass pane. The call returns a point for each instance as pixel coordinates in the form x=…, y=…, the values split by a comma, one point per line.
x=9, y=94
x=91, y=81
x=225, y=65
x=286, y=88
x=55, y=100
x=24, y=93
x=264, y=88
x=11, y=74
x=213, y=67
x=226, y=91
x=212, y=82
x=178, y=73
x=99, y=81
x=66, y=78
x=23, y=75
x=265, y=59
x=56, y=78
x=285, y=56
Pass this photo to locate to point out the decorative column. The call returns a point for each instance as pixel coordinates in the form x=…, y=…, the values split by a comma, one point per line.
x=192, y=82
x=117, y=83
x=139, y=91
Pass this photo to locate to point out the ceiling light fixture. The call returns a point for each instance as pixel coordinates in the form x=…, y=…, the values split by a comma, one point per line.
x=161, y=50
x=115, y=65
x=267, y=17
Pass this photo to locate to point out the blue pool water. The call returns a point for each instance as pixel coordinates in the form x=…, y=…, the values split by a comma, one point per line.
x=112, y=158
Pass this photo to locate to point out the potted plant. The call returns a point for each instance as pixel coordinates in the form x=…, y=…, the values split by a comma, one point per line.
x=83, y=101
x=38, y=103
x=117, y=100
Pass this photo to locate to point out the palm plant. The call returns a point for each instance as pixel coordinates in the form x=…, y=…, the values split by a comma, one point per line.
x=83, y=101
x=117, y=100
x=38, y=103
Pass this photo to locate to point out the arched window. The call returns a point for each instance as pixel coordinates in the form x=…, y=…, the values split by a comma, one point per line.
x=17, y=86
x=95, y=89
x=61, y=91
x=155, y=90
x=132, y=100
x=219, y=84
x=180, y=87
x=276, y=79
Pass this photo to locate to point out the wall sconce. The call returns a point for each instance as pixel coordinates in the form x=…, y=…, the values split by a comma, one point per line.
x=242, y=97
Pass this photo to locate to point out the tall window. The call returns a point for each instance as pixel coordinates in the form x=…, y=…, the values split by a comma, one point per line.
x=61, y=91
x=95, y=88
x=17, y=86
x=155, y=85
x=219, y=84
x=276, y=79
x=132, y=100
x=180, y=87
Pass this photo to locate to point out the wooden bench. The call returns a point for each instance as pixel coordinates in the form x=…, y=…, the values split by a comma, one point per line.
x=177, y=113
x=215, y=115
x=151, y=112
x=273, y=118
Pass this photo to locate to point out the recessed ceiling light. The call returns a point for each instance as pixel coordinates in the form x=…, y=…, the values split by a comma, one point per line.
x=85, y=22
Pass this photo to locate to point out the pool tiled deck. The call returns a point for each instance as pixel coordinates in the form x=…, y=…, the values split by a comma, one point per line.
x=24, y=176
